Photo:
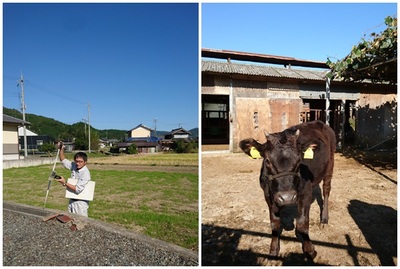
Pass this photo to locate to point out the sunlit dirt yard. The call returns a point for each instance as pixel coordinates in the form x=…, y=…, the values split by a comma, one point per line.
x=362, y=228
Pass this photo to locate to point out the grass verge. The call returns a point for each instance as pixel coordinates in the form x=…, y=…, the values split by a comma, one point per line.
x=162, y=205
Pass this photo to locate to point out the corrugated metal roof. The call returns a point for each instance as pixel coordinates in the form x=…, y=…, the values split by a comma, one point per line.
x=179, y=130
x=261, y=58
x=261, y=70
x=140, y=125
x=13, y=120
x=137, y=144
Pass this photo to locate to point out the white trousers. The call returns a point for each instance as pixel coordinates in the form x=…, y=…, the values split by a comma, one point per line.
x=79, y=207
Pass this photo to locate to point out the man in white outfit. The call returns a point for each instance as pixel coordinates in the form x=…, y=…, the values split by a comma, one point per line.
x=80, y=172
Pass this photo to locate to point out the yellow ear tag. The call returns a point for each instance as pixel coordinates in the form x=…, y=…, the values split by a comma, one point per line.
x=254, y=153
x=309, y=154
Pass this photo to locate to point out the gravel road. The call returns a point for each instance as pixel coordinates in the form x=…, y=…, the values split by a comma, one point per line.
x=30, y=241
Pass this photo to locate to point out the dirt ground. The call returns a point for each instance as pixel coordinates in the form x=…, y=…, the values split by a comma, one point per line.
x=362, y=227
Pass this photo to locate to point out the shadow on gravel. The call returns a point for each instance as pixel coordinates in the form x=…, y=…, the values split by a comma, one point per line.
x=378, y=223
x=220, y=248
x=374, y=160
x=220, y=244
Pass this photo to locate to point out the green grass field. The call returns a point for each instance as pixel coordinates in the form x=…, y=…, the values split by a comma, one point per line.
x=162, y=205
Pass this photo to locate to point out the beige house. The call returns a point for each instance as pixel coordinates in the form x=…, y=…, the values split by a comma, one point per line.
x=141, y=137
x=10, y=137
x=139, y=131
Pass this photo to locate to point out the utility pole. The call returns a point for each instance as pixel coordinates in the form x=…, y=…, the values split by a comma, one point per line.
x=155, y=127
x=88, y=117
x=23, y=107
x=327, y=98
x=84, y=124
x=155, y=131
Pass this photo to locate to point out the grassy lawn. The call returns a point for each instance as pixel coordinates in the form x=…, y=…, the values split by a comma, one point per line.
x=162, y=205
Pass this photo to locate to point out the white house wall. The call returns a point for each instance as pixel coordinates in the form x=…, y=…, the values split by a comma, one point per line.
x=181, y=136
x=10, y=142
x=140, y=132
x=10, y=134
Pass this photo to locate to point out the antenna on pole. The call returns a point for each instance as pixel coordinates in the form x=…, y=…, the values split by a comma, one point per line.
x=23, y=108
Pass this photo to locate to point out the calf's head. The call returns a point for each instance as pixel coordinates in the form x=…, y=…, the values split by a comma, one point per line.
x=279, y=175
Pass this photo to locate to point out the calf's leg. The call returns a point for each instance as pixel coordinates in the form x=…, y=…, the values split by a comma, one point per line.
x=302, y=227
x=326, y=187
x=274, y=219
x=276, y=233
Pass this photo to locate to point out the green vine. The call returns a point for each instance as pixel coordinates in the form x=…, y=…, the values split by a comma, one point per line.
x=374, y=60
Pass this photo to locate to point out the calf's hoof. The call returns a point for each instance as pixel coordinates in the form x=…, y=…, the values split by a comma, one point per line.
x=309, y=251
x=312, y=255
x=274, y=252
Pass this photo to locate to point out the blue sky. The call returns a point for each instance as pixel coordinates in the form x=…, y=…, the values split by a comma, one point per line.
x=307, y=31
x=133, y=63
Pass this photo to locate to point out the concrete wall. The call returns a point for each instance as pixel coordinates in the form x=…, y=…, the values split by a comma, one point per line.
x=28, y=162
x=376, y=120
x=260, y=106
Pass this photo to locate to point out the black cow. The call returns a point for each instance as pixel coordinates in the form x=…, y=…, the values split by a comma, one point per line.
x=294, y=161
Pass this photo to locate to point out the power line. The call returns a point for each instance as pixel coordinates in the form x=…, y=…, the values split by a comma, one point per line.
x=11, y=94
x=53, y=92
x=21, y=97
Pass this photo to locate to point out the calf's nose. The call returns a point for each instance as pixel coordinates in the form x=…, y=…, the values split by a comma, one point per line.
x=286, y=198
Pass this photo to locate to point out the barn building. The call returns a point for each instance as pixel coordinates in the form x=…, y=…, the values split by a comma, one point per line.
x=244, y=94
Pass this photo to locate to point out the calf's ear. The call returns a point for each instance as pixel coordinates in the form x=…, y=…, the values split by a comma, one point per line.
x=252, y=148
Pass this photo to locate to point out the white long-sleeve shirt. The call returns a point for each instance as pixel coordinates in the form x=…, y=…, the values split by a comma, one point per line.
x=82, y=175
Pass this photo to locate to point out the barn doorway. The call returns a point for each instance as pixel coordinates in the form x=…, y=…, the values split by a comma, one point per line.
x=315, y=110
x=342, y=116
x=215, y=119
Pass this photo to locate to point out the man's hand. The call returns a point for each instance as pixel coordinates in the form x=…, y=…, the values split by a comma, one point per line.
x=60, y=145
x=61, y=180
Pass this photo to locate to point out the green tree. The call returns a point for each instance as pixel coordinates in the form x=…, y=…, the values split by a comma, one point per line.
x=94, y=140
x=81, y=143
x=49, y=148
x=181, y=146
x=374, y=59
x=132, y=149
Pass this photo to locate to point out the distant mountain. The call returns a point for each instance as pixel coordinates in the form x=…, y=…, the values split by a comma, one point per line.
x=39, y=124
x=53, y=128
x=194, y=132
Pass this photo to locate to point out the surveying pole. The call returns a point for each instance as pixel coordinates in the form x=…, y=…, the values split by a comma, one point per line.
x=88, y=117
